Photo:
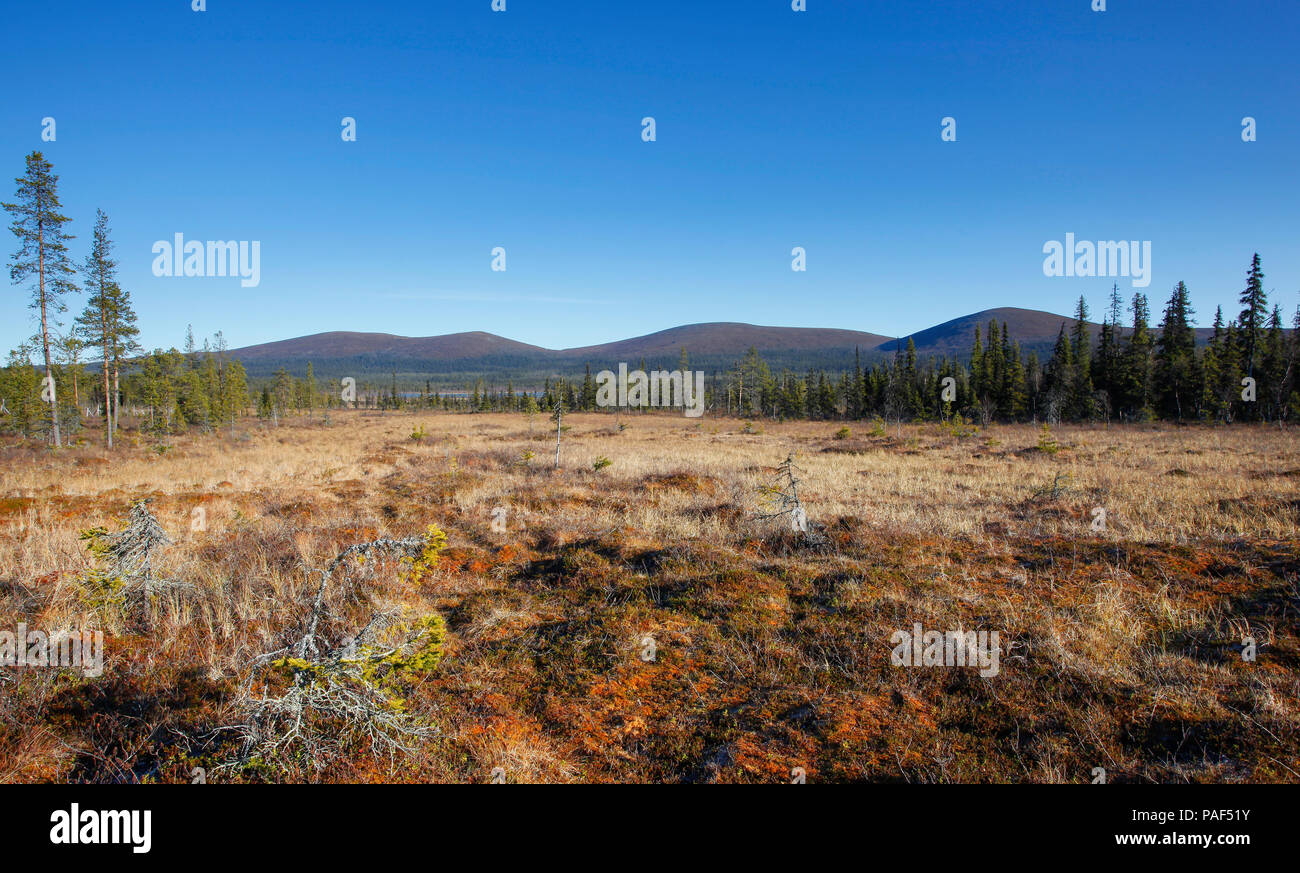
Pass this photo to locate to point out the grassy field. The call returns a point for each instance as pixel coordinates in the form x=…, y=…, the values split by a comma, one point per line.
x=643, y=621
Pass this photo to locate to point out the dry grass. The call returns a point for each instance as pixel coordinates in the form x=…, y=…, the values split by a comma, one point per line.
x=1118, y=645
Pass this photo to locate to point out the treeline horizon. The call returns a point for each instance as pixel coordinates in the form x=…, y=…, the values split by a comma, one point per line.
x=1247, y=371
x=1132, y=372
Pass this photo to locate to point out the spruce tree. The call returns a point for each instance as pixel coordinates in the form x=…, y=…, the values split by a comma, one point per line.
x=1016, y=392
x=1231, y=375
x=1033, y=385
x=1106, y=366
x=1272, y=368
x=1060, y=368
x=587, y=403
x=1212, y=369
x=1136, y=376
x=1291, y=379
x=977, y=365
x=1253, y=315
x=855, y=388
x=1081, y=399
x=1177, y=378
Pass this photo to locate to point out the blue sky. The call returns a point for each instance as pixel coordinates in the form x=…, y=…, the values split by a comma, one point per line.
x=776, y=129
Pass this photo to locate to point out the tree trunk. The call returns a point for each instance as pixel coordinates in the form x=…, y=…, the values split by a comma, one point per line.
x=108, y=397
x=117, y=399
x=45, y=331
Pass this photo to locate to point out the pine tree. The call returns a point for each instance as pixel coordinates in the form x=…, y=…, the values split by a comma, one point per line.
x=234, y=392
x=754, y=384
x=96, y=324
x=122, y=332
x=69, y=347
x=42, y=254
x=210, y=380
x=157, y=390
x=20, y=391
x=310, y=390
x=282, y=393
x=191, y=398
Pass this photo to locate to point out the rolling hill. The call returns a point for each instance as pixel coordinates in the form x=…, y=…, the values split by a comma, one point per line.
x=728, y=338
x=386, y=346
x=1034, y=329
x=451, y=359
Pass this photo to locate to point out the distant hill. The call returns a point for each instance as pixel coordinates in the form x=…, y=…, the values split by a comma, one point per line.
x=1035, y=330
x=1031, y=327
x=454, y=359
x=729, y=338
x=386, y=346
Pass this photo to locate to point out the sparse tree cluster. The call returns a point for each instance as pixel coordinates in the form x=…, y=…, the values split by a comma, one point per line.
x=105, y=330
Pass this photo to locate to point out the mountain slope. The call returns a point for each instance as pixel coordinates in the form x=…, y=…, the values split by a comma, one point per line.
x=727, y=338
x=347, y=344
x=1034, y=329
x=452, y=359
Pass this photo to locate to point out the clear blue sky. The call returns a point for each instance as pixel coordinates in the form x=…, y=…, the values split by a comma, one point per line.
x=775, y=129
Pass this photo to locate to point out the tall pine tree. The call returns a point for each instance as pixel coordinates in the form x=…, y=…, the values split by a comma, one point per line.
x=97, y=325
x=42, y=254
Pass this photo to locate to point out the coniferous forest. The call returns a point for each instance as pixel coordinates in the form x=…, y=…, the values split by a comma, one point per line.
x=1140, y=366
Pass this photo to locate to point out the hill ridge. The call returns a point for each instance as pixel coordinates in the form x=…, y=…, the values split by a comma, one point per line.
x=709, y=346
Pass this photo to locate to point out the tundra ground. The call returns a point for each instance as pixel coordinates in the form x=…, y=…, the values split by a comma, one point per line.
x=642, y=621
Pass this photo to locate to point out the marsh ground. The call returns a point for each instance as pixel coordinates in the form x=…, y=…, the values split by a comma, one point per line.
x=1121, y=647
